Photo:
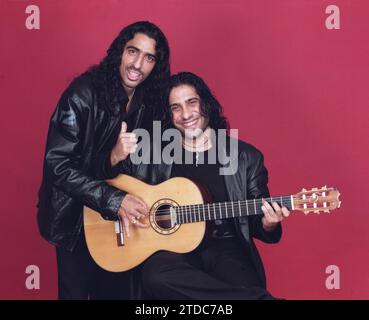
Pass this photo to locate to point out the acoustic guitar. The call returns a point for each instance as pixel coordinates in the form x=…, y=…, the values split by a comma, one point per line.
x=177, y=219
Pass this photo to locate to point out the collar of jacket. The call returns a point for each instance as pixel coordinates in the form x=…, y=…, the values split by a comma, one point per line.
x=137, y=102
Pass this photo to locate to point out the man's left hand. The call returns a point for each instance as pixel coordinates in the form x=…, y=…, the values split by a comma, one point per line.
x=273, y=214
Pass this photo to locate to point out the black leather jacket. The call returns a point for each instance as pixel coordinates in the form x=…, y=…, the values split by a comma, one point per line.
x=80, y=133
x=249, y=182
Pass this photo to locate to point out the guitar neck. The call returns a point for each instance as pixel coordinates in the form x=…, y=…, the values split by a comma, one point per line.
x=225, y=210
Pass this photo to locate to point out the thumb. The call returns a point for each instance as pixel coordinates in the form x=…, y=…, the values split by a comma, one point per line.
x=124, y=127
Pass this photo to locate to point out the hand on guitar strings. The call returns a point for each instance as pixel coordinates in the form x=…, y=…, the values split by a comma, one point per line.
x=133, y=209
x=273, y=214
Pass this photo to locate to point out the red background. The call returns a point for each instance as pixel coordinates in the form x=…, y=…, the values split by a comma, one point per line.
x=294, y=89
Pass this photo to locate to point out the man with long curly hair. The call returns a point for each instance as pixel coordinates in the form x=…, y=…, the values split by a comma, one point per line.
x=89, y=132
x=226, y=265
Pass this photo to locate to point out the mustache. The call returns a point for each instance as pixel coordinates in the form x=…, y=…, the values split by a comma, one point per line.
x=134, y=69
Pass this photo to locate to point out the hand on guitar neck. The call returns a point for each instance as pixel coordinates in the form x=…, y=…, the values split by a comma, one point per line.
x=131, y=210
x=273, y=214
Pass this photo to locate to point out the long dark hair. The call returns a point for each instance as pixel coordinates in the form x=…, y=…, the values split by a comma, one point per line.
x=107, y=74
x=210, y=106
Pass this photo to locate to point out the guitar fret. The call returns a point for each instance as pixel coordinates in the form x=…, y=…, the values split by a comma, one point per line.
x=197, y=212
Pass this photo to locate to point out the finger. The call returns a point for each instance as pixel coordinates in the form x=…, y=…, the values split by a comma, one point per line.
x=140, y=224
x=141, y=212
x=126, y=225
x=264, y=209
x=127, y=135
x=123, y=127
x=137, y=214
x=269, y=214
x=127, y=146
x=268, y=207
x=142, y=204
x=268, y=218
x=285, y=212
x=277, y=209
x=133, y=149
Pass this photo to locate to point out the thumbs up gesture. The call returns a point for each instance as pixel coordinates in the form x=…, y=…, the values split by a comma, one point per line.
x=125, y=145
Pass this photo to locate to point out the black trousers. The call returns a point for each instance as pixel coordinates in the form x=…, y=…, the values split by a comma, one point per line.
x=80, y=278
x=217, y=270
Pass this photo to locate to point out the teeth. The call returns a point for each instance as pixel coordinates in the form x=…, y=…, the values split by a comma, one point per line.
x=134, y=74
x=190, y=123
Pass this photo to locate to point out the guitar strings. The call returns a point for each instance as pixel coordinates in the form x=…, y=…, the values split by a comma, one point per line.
x=244, y=204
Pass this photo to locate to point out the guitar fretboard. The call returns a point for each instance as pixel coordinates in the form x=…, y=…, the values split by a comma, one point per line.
x=225, y=210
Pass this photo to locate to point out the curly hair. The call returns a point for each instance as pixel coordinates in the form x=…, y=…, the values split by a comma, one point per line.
x=210, y=107
x=107, y=75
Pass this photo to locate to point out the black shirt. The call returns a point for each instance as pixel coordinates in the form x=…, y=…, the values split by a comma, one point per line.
x=208, y=176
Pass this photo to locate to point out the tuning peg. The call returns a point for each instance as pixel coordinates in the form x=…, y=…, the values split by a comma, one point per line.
x=303, y=190
x=327, y=211
x=339, y=204
x=317, y=211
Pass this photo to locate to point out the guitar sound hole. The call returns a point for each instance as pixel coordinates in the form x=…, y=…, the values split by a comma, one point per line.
x=162, y=217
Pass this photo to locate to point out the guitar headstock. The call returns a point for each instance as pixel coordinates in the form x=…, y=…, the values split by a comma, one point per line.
x=317, y=200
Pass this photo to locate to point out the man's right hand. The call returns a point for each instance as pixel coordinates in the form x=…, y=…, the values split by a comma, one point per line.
x=125, y=145
x=131, y=210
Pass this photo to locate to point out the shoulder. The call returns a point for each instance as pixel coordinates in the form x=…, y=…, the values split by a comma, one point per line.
x=81, y=90
x=247, y=149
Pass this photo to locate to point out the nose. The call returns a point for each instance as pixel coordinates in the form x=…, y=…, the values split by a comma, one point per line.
x=137, y=63
x=186, y=113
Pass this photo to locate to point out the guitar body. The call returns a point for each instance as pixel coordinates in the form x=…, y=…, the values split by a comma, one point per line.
x=101, y=235
x=176, y=207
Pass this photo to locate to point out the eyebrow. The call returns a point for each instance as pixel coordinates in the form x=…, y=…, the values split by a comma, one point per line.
x=187, y=100
x=148, y=53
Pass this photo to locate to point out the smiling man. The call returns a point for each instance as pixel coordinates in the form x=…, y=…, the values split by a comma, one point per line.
x=89, y=134
x=226, y=265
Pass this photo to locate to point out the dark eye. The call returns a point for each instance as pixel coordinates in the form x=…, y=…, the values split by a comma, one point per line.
x=150, y=59
x=132, y=51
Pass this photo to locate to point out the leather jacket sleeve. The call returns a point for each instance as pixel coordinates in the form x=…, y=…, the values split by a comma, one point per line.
x=67, y=153
x=257, y=182
x=103, y=167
